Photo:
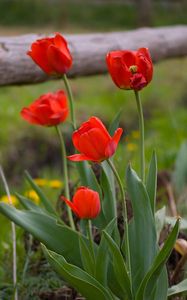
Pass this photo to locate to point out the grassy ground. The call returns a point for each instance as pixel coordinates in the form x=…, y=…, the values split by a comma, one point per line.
x=86, y=15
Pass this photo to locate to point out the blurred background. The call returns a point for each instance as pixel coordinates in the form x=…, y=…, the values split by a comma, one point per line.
x=85, y=15
x=36, y=149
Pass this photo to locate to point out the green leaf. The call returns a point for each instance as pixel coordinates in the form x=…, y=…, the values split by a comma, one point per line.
x=151, y=184
x=162, y=285
x=109, y=200
x=115, y=123
x=102, y=258
x=160, y=217
x=88, y=177
x=110, y=176
x=44, y=200
x=119, y=266
x=86, y=257
x=104, y=271
x=142, y=231
x=28, y=204
x=56, y=237
x=153, y=274
x=180, y=172
x=88, y=286
x=179, y=288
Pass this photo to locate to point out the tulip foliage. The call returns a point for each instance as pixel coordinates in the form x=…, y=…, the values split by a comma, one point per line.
x=128, y=264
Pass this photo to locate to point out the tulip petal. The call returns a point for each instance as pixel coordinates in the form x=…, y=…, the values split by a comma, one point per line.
x=58, y=60
x=145, y=52
x=118, y=70
x=117, y=135
x=46, y=110
x=96, y=123
x=71, y=205
x=129, y=58
x=38, y=53
x=61, y=43
x=44, y=113
x=144, y=63
x=138, y=81
x=93, y=122
x=112, y=145
x=93, y=144
x=78, y=157
x=29, y=116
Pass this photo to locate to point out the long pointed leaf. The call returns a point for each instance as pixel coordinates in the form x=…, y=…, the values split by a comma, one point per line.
x=88, y=286
x=44, y=200
x=160, y=217
x=115, y=123
x=178, y=288
x=28, y=204
x=162, y=285
x=102, y=258
x=88, y=177
x=151, y=183
x=109, y=200
x=58, y=238
x=142, y=231
x=119, y=266
x=151, y=277
x=86, y=257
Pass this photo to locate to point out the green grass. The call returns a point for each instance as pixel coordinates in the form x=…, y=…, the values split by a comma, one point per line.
x=85, y=15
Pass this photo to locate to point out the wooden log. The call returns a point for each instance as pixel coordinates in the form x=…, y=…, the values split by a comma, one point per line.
x=88, y=51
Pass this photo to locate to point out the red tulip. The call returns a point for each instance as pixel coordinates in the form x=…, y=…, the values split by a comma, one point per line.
x=51, y=55
x=130, y=69
x=85, y=204
x=48, y=110
x=94, y=142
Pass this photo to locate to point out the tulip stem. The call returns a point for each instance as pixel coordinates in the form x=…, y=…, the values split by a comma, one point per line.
x=14, y=251
x=65, y=171
x=70, y=97
x=126, y=233
x=141, y=127
x=90, y=238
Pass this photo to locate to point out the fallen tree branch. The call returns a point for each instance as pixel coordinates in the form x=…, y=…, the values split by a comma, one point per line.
x=89, y=51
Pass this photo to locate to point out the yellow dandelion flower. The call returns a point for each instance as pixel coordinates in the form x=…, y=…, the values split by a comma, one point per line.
x=131, y=147
x=13, y=200
x=135, y=134
x=32, y=195
x=41, y=182
x=55, y=184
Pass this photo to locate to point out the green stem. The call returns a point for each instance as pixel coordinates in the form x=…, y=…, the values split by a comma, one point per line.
x=28, y=256
x=70, y=97
x=65, y=171
x=89, y=235
x=124, y=215
x=141, y=127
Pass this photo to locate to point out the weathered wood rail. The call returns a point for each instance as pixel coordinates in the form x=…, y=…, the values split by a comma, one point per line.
x=89, y=51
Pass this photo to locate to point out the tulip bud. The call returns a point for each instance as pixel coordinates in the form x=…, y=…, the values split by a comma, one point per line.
x=51, y=55
x=85, y=203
